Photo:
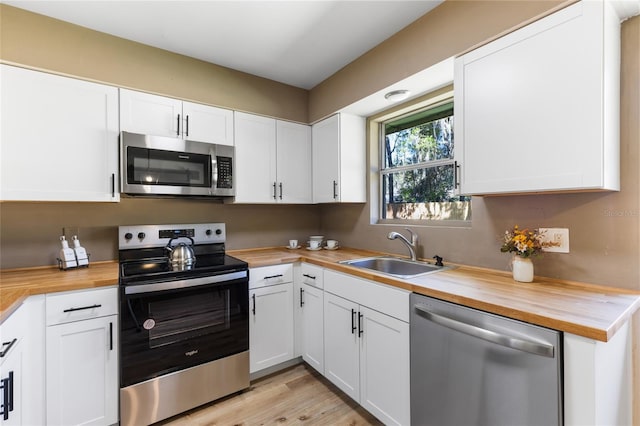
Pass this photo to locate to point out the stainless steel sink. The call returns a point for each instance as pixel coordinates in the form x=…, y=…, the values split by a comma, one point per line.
x=401, y=268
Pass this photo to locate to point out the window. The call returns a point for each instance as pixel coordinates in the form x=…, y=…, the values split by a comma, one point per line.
x=417, y=170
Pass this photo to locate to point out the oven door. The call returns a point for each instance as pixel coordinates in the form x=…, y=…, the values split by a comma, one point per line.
x=169, y=326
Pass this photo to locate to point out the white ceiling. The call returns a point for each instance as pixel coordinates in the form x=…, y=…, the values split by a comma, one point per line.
x=300, y=43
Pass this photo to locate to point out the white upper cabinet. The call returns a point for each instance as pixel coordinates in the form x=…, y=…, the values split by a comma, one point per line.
x=273, y=160
x=538, y=109
x=59, y=138
x=293, y=152
x=255, y=174
x=161, y=116
x=339, y=159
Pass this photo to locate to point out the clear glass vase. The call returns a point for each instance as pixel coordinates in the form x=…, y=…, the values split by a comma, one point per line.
x=522, y=268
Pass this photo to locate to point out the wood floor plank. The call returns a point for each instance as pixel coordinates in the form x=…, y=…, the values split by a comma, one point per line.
x=296, y=396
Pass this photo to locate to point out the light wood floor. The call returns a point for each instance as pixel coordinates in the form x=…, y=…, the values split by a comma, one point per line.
x=295, y=396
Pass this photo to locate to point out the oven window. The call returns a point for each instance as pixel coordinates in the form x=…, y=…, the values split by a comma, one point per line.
x=166, y=331
x=188, y=317
x=158, y=167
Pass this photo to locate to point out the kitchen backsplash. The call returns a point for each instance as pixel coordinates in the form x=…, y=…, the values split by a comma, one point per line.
x=29, y=232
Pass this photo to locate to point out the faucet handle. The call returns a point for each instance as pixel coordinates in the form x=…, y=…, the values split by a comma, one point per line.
x=414, y=236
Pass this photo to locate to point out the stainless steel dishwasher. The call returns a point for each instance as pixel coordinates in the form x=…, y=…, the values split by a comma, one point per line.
x=470, y=367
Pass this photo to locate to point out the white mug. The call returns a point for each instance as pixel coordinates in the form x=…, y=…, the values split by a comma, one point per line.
x=293, y=243
x=314, y=244
x=332, y=244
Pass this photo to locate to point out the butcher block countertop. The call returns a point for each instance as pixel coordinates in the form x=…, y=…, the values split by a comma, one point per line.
x=591, y=311
x=18, y=284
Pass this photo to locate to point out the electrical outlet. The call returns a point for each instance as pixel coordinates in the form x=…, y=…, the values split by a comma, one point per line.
x=556, y=235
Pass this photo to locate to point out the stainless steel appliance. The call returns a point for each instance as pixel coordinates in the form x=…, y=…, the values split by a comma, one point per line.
x=155, y=165
x=184, y=332
x=470, y=367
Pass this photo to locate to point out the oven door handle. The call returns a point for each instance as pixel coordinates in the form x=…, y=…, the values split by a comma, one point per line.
x=183, y=284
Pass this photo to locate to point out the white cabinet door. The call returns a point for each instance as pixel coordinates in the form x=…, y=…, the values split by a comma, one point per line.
x=293, y=162
x=312, y=326
x=22, y=363
x=273, y=160
x=255, y=174
x=270, y=326
x=384, y=367
x=12, y=371
x=204, y=123
x=339, y=159
x=59, y=138
x=149, y=114
x=341, y=344
x=82, y=372
x=538, y=109
x=326, y=159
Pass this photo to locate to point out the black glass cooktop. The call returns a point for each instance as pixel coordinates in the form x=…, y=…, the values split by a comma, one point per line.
x=152, y=265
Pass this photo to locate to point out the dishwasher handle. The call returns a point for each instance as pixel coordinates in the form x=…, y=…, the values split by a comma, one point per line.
x=488, y=335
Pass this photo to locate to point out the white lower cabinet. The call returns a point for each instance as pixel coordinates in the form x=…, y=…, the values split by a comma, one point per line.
x=310, y=318
x=22, y=365
x=13, y=334
x=82, y=358
x=341, y=346
x=366, y=352
x=270, y=316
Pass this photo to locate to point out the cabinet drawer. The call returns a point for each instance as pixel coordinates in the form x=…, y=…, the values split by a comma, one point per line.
x=81, y=305
x=382, y=298
x=312, y=275
x=270, y=275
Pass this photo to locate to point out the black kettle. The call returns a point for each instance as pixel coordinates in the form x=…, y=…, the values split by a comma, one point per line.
x=181, y=255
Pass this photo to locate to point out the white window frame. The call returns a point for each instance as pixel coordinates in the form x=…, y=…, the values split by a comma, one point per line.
x=376, y=154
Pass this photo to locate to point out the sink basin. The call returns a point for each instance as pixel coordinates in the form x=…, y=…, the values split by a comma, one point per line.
x=401, y=268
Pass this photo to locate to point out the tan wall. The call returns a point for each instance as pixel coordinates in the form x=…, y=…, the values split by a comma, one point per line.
x=44, y=43
x=30, y=231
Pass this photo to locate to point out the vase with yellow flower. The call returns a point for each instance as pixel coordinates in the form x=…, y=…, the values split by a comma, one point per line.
x=524, y=244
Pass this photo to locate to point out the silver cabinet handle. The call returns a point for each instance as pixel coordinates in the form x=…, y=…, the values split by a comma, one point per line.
x=488, y=335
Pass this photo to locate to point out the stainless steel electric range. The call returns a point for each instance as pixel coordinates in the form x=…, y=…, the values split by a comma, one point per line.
x=184, y=322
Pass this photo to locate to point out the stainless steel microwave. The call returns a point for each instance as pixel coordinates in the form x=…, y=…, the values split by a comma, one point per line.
x=156, y=165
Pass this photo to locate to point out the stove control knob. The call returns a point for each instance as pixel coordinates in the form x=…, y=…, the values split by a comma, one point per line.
x=208, y=232
x=128, y=236
x=218, y=231
x=141, y=235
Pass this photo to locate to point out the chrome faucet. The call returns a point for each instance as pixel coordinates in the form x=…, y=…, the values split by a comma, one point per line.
x=411, y=245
